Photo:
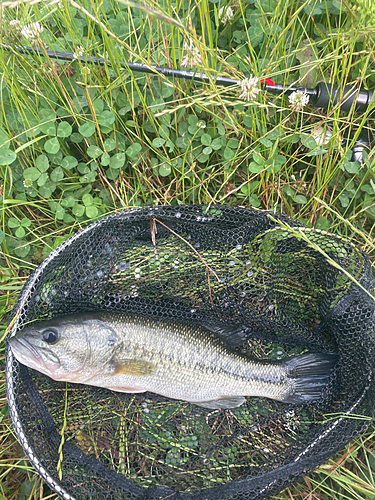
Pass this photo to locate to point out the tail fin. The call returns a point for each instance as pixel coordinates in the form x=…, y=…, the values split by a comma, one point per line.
x=308, y=374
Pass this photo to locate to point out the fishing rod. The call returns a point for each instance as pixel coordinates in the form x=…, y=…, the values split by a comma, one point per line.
x=322, y=96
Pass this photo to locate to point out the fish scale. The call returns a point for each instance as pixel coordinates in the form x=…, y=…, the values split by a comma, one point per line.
x=190, y=349
x=178, y=360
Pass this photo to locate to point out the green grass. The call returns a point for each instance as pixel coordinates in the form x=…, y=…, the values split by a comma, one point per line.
x=131, y=140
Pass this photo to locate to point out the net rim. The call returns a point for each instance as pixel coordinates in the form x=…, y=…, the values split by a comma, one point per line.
x=305, y=463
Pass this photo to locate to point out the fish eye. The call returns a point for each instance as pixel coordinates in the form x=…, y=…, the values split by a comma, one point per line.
x=50, y=336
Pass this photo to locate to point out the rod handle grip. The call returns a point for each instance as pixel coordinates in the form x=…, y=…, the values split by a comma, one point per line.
x=331, y=94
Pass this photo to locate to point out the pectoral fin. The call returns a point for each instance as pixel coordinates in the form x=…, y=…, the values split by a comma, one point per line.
x=134, y=367
x=224, y=403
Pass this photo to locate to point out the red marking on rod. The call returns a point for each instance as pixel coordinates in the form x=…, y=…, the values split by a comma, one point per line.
x=268, y=81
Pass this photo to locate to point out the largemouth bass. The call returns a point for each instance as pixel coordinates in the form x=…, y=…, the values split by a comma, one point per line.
x=178, y=360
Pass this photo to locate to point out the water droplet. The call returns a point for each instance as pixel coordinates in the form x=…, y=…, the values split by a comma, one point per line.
x=121, y=266
x=231, y=263
x=193, y=311
x=250, y=274
x=199, y=218
x=99, y=274
x=178, y=215
x=238, y=247
x=108, y=248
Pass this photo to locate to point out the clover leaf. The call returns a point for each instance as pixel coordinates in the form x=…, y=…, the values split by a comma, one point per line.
x=52, y=146
x=87, y=129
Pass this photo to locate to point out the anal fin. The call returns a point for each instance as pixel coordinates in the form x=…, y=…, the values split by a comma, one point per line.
x=222, y=403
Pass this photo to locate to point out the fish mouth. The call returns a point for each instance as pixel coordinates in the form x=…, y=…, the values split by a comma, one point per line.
x=29, y=355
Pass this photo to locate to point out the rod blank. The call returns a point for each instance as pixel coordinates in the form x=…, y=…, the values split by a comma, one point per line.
x=323, y=95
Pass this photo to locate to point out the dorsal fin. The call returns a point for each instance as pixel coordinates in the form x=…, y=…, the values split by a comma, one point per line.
x=232, y=335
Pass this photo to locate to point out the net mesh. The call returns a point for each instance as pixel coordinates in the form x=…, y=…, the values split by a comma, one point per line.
x=256, y=273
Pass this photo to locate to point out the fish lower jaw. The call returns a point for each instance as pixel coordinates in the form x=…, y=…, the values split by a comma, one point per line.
x=34, y=364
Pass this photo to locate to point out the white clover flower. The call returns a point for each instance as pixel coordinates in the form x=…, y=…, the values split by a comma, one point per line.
x=27, y=183
x=201, y=124
x=298, y=100
x=192, y=56
x=31, y=31
x=322, y=135
x=104, y=55
x=226, y=15
x=79, y=52
x=249, y=87
x=14, y=22
x=85, y=71
x=58, y=3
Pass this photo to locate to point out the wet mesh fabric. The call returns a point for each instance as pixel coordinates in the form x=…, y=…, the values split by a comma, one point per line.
x=281, y=286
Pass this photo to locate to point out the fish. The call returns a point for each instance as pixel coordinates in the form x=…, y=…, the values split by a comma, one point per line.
x=175, y=359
